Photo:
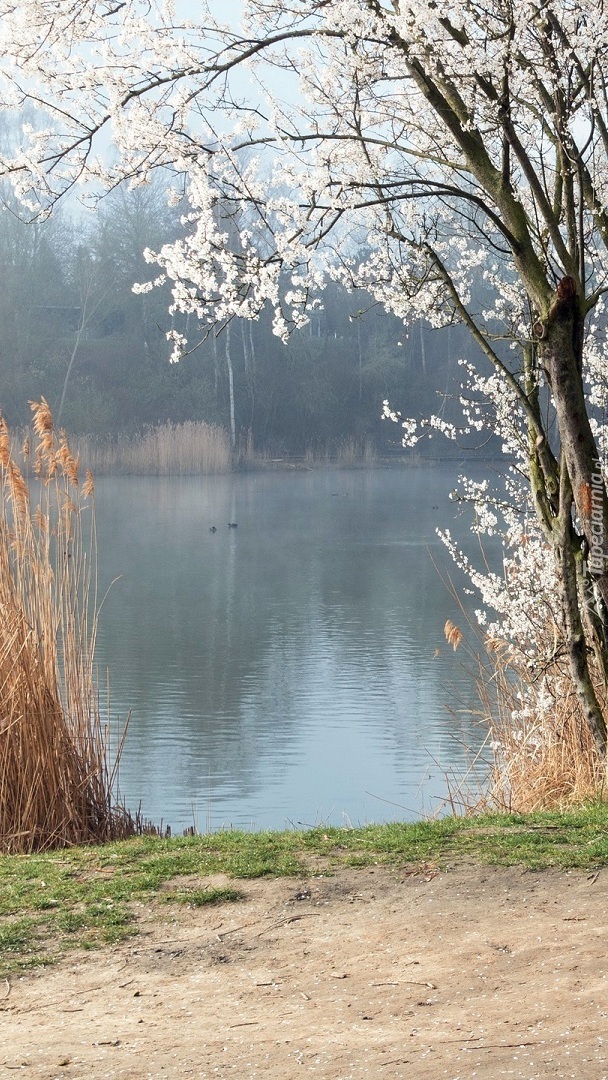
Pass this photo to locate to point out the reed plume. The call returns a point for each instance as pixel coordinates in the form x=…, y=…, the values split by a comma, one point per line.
x=56, y=773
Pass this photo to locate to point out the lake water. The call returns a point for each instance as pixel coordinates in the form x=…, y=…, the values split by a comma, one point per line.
x=291, y=670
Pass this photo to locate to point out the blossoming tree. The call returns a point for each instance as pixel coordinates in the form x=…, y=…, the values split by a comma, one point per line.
x=462, y=148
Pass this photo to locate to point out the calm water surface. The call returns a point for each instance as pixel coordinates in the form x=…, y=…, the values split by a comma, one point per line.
x=285, y=671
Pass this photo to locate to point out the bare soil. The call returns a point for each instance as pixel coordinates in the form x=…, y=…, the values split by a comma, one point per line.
x=376, y=973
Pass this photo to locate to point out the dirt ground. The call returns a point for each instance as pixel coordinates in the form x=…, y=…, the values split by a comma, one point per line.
x=375, y=973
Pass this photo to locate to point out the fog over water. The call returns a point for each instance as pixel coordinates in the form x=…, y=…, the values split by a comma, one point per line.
x=292, y=669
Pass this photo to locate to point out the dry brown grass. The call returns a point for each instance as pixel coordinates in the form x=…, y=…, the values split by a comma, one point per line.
x=352, y=452
x=170, y=449
x=197, y=448
x=538, y=753
x=56, y=775
x=348, y=454
x=543, y=754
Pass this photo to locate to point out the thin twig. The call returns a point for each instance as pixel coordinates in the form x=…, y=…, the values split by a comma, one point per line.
x=235, y=929
x=292, y=918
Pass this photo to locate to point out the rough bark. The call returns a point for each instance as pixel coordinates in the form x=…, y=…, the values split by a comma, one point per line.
x=581, y=560
x=575, y=639
x=561, y=354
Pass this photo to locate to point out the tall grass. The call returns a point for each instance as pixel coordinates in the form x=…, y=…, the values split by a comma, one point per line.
x=538, y=753
x=198, y=448
x=353, y=452
x=348, y=454
x=169, y=449
x=56, y=775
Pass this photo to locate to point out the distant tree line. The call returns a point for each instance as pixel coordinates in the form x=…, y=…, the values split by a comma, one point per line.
x=72, y=330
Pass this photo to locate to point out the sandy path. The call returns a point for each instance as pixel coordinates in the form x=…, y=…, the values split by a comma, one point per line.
x=473, y=972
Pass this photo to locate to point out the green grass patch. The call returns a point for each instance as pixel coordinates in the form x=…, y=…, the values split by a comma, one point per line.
x=85, y=897
x=17, y=935
x=202, y=897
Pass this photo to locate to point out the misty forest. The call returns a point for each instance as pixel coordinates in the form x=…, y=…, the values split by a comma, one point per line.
x=350, y=233
x=75, y=333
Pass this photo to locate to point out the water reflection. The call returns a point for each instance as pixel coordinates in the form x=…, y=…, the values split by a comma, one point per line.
x=283, y=670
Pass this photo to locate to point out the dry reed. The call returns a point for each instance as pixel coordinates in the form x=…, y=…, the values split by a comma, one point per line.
x=539, y=753
x=356, y=452
x=169, y=449
x=197, y=448
x=56, y=774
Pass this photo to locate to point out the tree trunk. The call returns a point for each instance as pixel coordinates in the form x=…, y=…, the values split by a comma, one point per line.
x=561, y=354
x=422, y=349
x=230, y=388
x=581, y=562
x=249, y=358
x=578, y=650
